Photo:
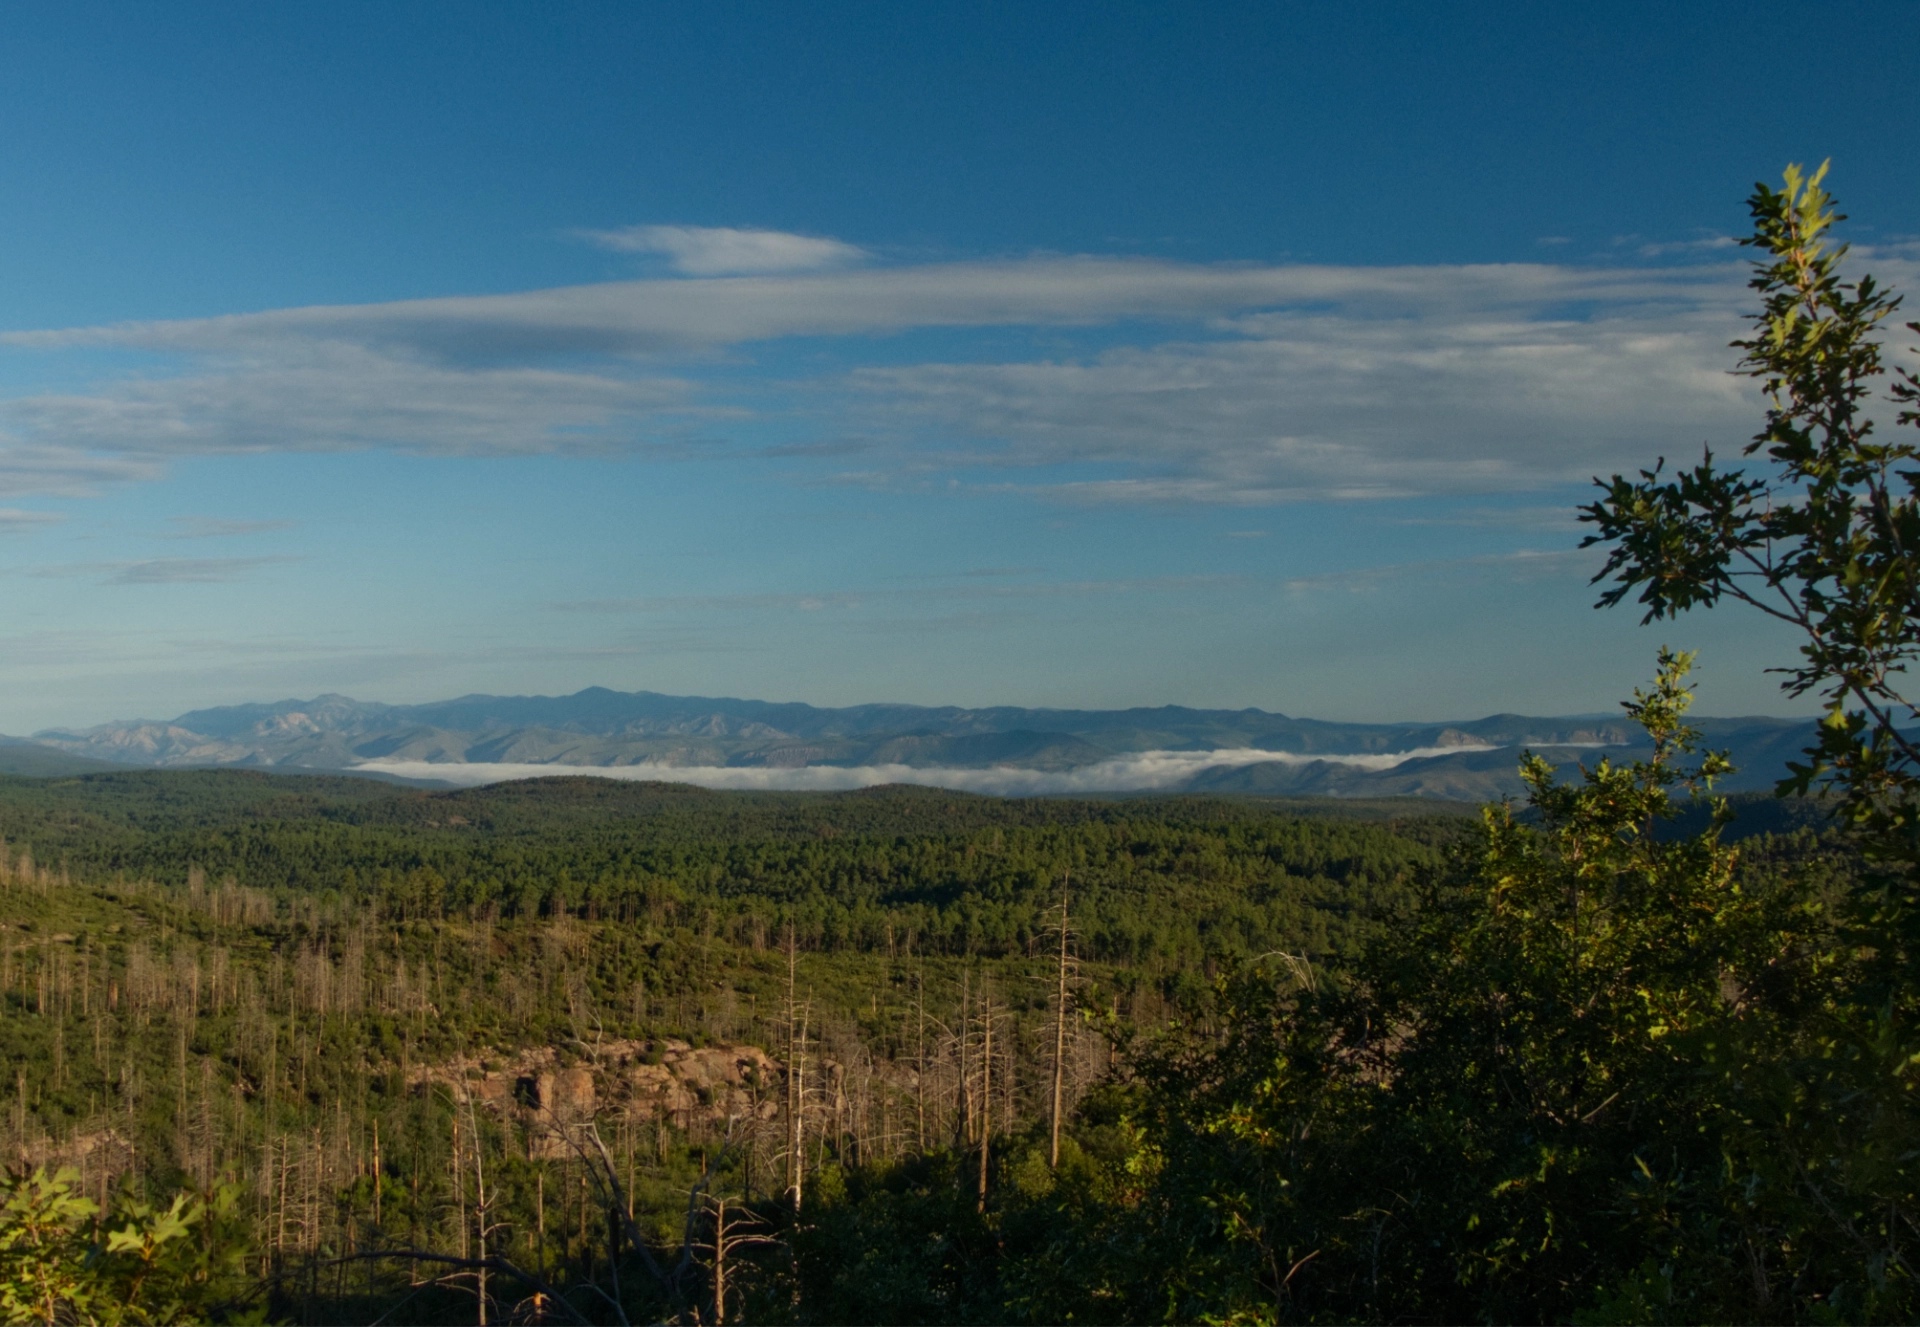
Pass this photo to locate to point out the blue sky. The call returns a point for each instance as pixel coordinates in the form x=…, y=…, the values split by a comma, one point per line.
x=1088, y=355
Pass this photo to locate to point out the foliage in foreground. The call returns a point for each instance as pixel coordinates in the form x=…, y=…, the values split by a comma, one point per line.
x=1606, y=1072
x=62, y=1259
x=1601, y=1075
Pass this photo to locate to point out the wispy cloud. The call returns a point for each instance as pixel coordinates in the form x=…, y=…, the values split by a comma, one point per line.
x=214, y=527
x=61, y=469
x=1501, y=518
x=846, y=600
x=164, y=571
x=1315, y=405
x=334, y=397
x=640, y=318
x=17, y=520
x=726, y=251
x=1703, y=245
x=1231, y=385
x=729, y=603
x=1526, y=564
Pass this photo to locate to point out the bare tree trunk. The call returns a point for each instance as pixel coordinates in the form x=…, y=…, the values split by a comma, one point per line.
x=965, y=1081
x=479, y=1204
x=459, y=1184
x=796, y=1085
x=986, y=1089
x=376, y=1172
x=720, y=1262
x=1059, y=1029
x=920, y=1076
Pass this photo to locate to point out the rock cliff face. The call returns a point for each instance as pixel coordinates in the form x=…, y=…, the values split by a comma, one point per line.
x=666, y=1080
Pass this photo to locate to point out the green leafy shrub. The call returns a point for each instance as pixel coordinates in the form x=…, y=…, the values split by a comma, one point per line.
x=62, y=1261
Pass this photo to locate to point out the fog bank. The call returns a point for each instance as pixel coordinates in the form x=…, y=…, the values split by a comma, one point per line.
x=1142, y=771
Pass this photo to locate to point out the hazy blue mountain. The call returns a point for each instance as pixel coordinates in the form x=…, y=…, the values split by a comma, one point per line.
x=36, y=761
x=600, y=727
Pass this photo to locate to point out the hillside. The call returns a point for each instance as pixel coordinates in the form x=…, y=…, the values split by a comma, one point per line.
x=303, y=982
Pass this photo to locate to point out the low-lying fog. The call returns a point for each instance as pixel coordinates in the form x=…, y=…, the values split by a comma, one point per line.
x=1143, y=771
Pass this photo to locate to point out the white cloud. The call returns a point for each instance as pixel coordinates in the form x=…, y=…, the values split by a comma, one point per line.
x=725, y=251
x=813, y=602
x=1318, y=405
x=340, y=397
x=1140, y=772
x=1234, y=385
x=1527, y=564
x=1509, y=518
x=17, y=520
x=670, y=317
x=164, y=571
x=1668, y=248
x=214, y=527
x=64, y=470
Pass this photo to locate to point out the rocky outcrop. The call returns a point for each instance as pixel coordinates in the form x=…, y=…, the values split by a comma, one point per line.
x=101, y=1150
x=666, y=1079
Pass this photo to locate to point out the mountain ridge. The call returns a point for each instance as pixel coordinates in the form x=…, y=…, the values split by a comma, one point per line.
x=602, y=728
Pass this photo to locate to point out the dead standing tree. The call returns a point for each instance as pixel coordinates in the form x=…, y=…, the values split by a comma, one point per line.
x=1060, y=1026
x=623, y=1235
x=734, y=1227
x=986, y=1087
x=797, y=1019
x=482, y=1204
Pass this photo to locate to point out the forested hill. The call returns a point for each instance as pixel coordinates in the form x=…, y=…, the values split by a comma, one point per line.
x=361, y=1002
x=972, y=871
x=387, y=1014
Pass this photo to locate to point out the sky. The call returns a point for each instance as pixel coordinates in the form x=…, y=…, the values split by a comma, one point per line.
x=1087, y=355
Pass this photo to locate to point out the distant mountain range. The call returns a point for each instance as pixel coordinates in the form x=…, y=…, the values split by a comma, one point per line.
x=741, y=743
